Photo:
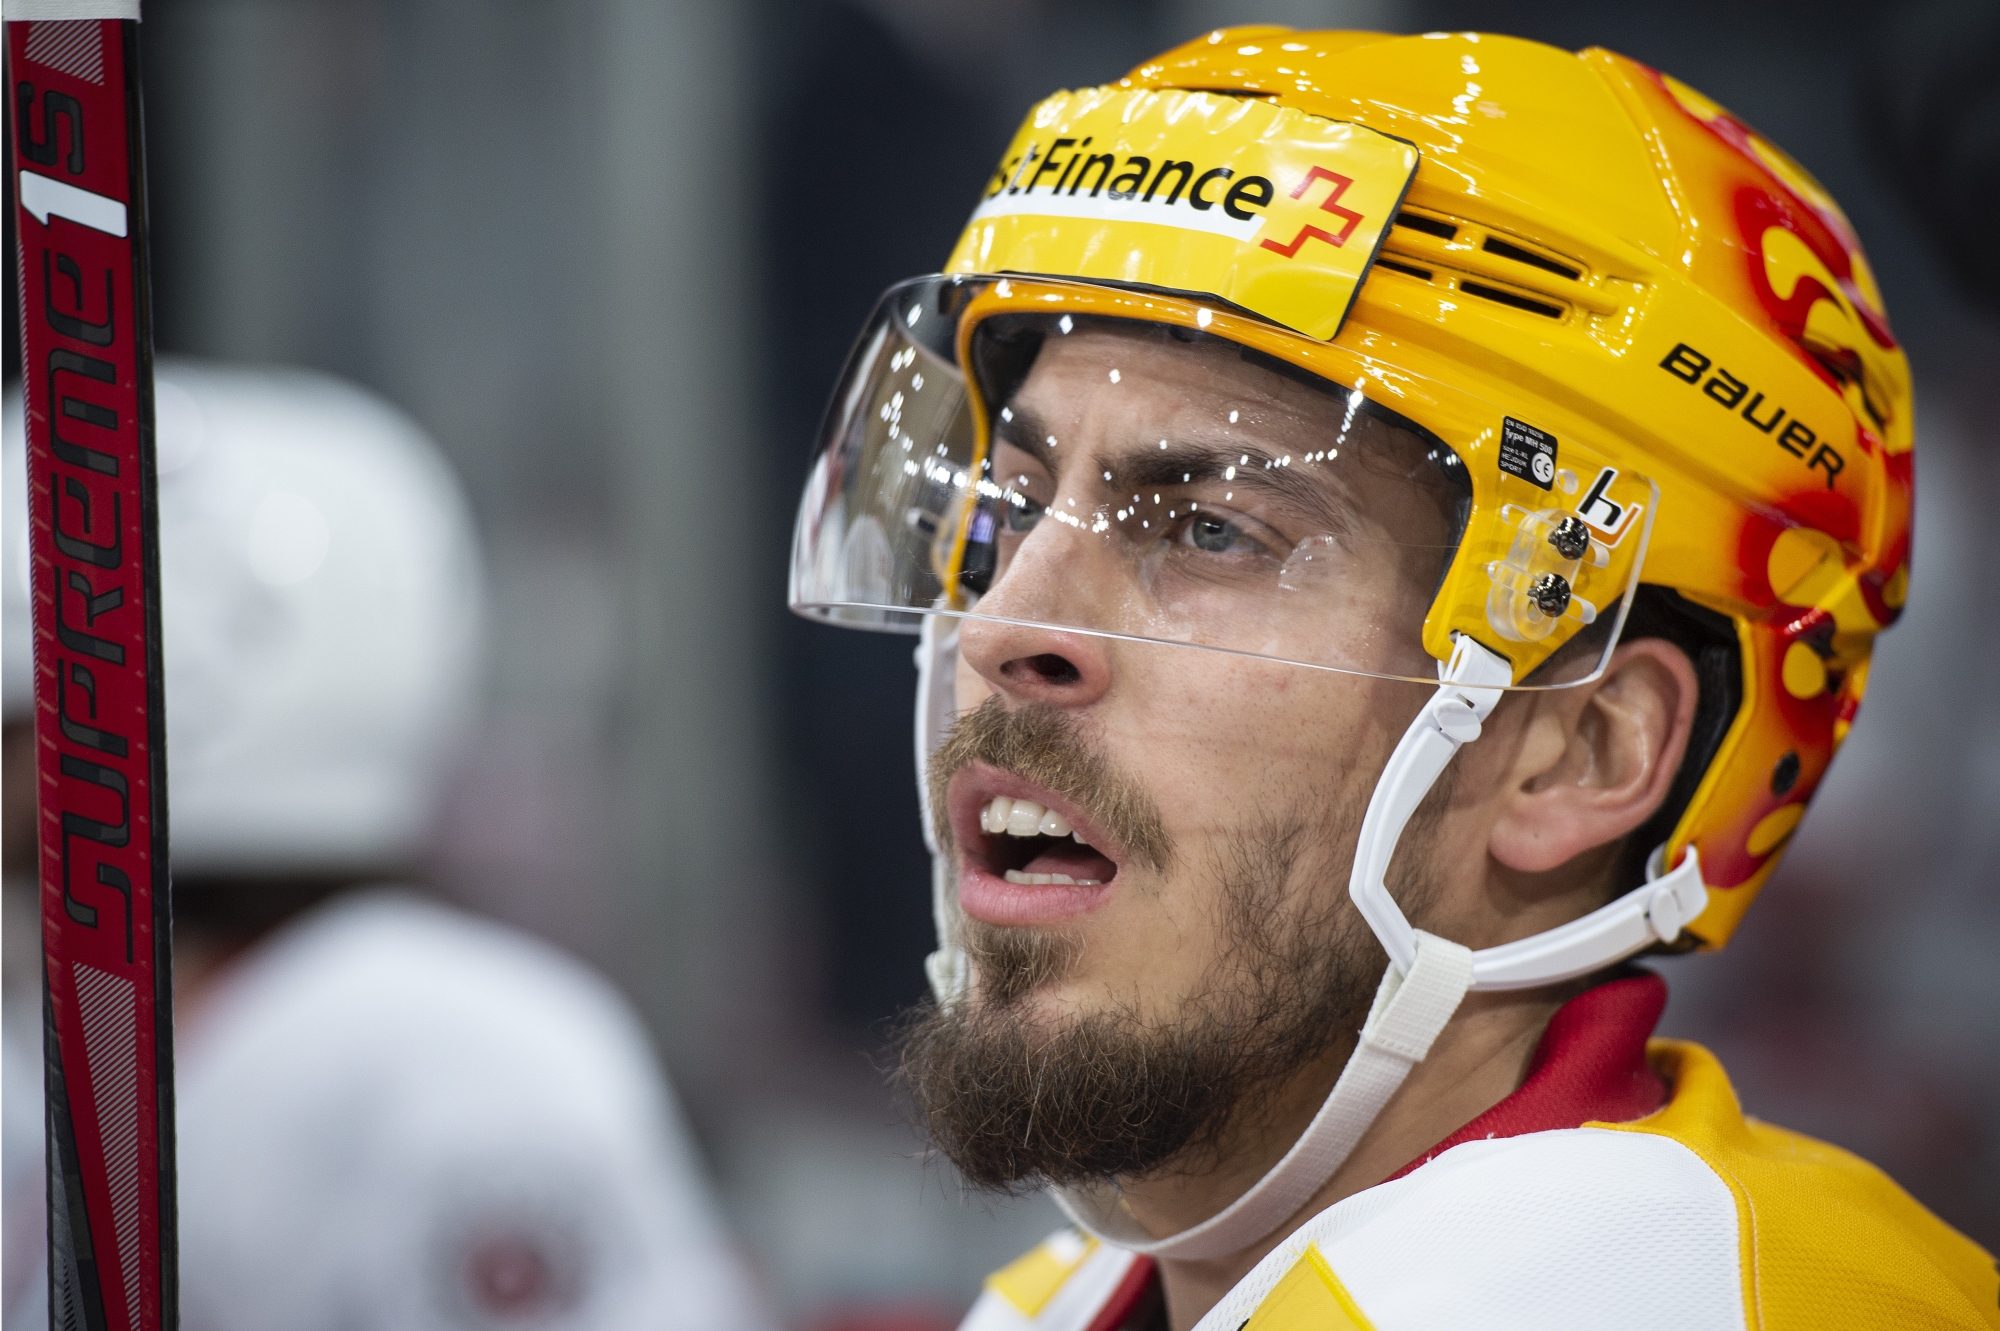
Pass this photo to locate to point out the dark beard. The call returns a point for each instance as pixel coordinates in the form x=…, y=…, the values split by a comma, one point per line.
x=1018, y=1103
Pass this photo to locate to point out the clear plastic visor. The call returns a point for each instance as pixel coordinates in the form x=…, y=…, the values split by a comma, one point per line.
x=1127, y=478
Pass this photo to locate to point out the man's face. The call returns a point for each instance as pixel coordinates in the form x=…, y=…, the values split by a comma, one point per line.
x=1203, y=942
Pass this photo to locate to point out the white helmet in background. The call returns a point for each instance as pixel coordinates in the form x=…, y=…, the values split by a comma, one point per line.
x=321, y=606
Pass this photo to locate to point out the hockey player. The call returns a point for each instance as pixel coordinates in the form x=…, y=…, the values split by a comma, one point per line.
x=1397, y=528
x=391, y=1114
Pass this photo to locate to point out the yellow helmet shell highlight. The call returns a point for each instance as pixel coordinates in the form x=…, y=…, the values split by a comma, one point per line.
x=1592, y=243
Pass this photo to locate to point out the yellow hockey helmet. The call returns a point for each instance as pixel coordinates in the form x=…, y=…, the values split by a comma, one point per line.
x=1605, y=299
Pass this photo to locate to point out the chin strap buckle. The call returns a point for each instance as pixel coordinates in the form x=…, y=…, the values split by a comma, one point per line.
x=1456, y=718
x=1470, y=686
x=1663, y=915
x=1677, y=896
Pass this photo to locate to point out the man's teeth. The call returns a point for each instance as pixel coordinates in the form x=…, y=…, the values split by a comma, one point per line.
x=1032, y=879
x=1025, y=818
x=1011, y=817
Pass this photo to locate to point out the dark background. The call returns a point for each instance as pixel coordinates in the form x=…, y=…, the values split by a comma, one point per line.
x=612, y=252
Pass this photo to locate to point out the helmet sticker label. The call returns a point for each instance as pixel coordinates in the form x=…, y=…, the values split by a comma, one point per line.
x=1264, y=206
x=1734, y=395
x=1528, y=453
x=1172, y=195
x=1601, y=511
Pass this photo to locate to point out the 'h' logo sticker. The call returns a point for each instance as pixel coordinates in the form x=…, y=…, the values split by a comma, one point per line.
x=1330, y=204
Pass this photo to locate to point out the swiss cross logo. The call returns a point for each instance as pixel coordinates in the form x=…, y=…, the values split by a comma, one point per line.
x=1330, y=204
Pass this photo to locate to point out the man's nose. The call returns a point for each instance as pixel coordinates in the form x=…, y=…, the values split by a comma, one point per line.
x=1055, y=577
x=1032, y=663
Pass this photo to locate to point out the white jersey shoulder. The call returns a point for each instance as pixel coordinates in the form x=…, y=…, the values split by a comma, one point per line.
x=1570, y=1230
x=393, y=1114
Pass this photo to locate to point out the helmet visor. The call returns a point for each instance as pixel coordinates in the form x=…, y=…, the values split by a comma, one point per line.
x=1142, y=478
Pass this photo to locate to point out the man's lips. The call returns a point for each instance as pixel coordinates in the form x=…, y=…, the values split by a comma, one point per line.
x=984, y=858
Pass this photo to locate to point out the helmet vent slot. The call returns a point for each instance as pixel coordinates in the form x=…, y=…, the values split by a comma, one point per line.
x=1484, y=262
x=1511, y=299
x=1495, y=245
x=1431, y=226
x=1407, y=269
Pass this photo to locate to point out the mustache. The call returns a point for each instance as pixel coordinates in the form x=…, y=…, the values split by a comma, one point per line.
x=1047, y=746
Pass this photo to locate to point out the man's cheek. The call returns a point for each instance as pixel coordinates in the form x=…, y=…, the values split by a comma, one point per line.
x=1157, y=925
x=970, y=686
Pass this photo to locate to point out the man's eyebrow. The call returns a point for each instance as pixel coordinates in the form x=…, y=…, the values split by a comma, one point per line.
x=1024, y=430
x=1174, y=463
x=1254, y=470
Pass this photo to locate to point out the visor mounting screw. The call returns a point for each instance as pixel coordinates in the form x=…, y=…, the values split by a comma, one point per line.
x=1570, y=538
x=1550, y=594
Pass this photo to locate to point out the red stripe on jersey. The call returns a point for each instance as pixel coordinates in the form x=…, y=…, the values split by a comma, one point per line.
x=1590, y=1067
x=1137, y=1286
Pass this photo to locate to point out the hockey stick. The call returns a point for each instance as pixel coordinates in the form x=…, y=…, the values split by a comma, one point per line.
x=100, y=728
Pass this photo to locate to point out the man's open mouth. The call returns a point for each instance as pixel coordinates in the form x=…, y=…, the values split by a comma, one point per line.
x=1029, y=844
x=1026, y=855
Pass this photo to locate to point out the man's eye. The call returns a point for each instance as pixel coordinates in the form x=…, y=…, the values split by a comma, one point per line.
x=1022, y=512
x=1213, y=534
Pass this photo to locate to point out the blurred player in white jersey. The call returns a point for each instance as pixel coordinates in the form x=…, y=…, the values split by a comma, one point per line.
x=392, y=1114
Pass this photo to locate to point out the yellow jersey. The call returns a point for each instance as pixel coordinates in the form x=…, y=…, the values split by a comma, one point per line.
x=1561, y=1209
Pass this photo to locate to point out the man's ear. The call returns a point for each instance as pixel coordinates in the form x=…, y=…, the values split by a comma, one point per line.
x=1597, y=760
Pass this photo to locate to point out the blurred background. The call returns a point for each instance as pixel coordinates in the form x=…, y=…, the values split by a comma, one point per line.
x=610, y=254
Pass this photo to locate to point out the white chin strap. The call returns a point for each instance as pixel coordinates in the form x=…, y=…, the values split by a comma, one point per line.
x=1427, y=976
x=937, y=703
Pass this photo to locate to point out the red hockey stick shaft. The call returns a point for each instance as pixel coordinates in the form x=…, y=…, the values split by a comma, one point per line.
x=100, y=728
